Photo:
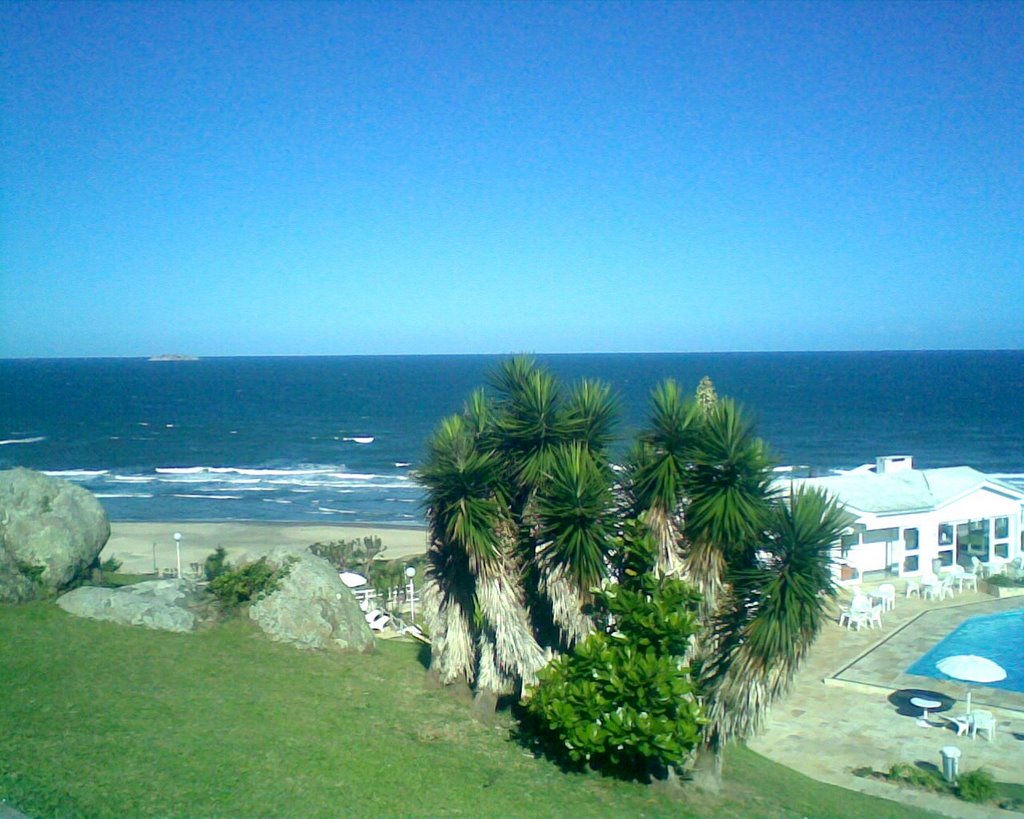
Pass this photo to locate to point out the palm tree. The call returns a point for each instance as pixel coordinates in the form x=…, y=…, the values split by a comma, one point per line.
x=657, y=467
x=774, y=610
x=702, y=484
x=524, y=509
x=519, y=510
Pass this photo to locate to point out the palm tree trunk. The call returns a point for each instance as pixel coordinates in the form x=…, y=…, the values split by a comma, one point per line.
x=707, y=770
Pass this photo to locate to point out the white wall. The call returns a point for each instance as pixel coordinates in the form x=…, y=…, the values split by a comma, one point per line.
x=982, y=503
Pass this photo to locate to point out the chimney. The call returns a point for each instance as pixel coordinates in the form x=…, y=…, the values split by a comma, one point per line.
x=886, y=464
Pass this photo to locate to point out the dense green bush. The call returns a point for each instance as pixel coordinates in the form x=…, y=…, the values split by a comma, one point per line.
x=623, y=702
x=248, y=584
x=111, y=565
x=32, y=572
x=976, y=786
x=1003, y=580
x=350, y=555
x=216, y=564
x=927, y=778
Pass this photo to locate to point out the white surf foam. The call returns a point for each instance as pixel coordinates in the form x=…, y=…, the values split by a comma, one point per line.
x=122, y=495
x=35, y=440
x=239, y=470
x=72, y=474
x=210, y=497
x=360, y=439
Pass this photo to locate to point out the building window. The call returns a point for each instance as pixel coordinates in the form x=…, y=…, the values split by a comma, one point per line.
x=945, y=534
x=910, y=540
x=910, y=563
x=1002, y=528
x=1001, y=549
x=881, y=535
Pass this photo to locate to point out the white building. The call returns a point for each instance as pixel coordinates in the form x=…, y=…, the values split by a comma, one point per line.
x=915, y=521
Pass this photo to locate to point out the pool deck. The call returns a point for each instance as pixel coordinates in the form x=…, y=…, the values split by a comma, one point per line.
x=839, y=718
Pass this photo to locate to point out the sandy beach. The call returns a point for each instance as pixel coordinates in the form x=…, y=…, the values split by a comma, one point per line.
x=145, y=547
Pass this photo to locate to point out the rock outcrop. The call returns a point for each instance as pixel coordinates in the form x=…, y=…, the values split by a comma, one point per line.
x=312, y=608
x=50, y=533
x=166, y=605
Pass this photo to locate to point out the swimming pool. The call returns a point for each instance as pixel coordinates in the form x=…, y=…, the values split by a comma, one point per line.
x=999, y=637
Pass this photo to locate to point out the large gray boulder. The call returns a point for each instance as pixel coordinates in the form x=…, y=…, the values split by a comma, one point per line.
x=312, y=608
x=166, y=605
x=50, y=533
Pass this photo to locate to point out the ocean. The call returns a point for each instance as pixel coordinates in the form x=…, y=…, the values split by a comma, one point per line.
x=337, y=439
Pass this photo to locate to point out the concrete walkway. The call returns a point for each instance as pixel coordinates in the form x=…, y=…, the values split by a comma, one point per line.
x=838, y=717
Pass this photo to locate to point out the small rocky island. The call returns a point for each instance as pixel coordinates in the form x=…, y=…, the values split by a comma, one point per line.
x=174, y=357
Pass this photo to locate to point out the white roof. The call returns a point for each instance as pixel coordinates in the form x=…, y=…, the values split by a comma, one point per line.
x=908, y=490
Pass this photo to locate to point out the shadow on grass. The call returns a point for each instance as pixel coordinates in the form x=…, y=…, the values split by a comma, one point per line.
x=528, y=731
x=423, y=656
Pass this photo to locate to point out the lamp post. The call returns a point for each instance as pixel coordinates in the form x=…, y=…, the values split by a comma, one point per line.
x=410, y=572
x=177, y=548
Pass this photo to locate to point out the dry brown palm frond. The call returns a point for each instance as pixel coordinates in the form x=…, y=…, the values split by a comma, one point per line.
x=567, y=602
x=704, y=566
x=502, y=602
x=492, y=676
x=452, y=652
x=664, y=529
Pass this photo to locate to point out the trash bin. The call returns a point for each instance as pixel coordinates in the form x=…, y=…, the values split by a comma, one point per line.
x=950, y=762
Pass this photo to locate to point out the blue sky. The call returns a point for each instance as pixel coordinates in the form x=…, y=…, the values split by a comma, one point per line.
x=335, y=178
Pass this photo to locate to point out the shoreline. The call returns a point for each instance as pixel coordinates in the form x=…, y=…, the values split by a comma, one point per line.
x=148, y=546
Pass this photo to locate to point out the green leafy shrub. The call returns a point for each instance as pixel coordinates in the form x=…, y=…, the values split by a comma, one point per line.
x=927, y=778
x=111, y=565
x=1004, y=580
x=248, y=584
x=216, y=564
x=350, y=555
x=623, y=701
x=976, y=786
x=33, y=573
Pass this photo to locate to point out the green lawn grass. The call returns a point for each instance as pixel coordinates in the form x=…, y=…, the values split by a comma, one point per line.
x=104, y=720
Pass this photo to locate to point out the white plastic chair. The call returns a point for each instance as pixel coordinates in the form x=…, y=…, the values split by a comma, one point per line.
x=983, y=721
x=979, y=568
x=931, y=588
x=860, y=612
x=913, y=587
x=965, y=578
x=887, y=594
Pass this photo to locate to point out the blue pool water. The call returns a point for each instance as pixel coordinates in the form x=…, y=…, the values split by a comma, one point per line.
x=999, y=637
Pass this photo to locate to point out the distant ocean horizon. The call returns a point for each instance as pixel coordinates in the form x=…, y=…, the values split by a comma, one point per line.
x=336, y=439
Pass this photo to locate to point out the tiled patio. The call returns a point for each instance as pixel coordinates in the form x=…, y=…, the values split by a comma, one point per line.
x=839, y=718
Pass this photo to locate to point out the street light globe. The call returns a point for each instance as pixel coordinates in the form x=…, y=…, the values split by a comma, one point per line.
x=177, y=536
x=410, y=572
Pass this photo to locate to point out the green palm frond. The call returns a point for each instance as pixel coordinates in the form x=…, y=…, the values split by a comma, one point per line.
x=591, y=414
x=576, y=514
x=777, y=610
x=479, y=414
x=531, y=425
x=512, y=375
x=462, y=486
x=657, y=475
x=728, y=483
